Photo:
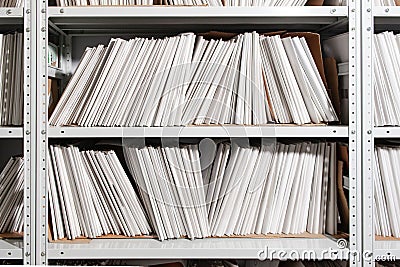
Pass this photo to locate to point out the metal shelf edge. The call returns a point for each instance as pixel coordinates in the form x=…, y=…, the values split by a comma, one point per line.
x=200, y=131
x=11, y=12
x=11, y=132
x=8, y=250
x=387, y=132
x=386, y=11
x=199, y=11
x=217, y=248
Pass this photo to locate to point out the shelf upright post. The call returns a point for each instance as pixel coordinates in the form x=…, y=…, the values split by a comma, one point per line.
x=355, y=140
x=367, y=31
x=41, y=131
x=29, y=112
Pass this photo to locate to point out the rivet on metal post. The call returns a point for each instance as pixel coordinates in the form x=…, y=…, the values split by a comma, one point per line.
x=333, y=10
x=27, y=254
x=369, y=132
x=387, y=10
x=353, y=132
x=368, y=10
x=62, y=10
x=43, y=132
x=353, y=10
x=28, y=132
x=43, y=29
x=8, y=12
x=28, y=11
x=43, y=254
x=369, y=29
x=28, y=29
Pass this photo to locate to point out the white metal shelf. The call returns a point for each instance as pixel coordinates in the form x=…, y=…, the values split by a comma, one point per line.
x=11, y=249
x=210, y=248
x=387, y=132
x=386, y=18
x=387, y=248
x=11, y=12
x=200, y=131
x=11, y=132
x=53, y=72
x=386, y=12
x=90, y=19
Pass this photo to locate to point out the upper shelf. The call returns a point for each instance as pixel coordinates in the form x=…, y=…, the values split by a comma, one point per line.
x=11, y=132
x=201, y=131
x=86, y=20
x=11, y=16
x=386, y=18
x=387, y=132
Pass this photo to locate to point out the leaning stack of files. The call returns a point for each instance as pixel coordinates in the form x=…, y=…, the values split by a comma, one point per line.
x=90, y=195
x=11, y=3
x=265, y=2
x=11, y=79
x=248, y=79
x=386, y=81
x=182, y=2
x=270, y=188
x=387, y=190
x=12, y=196
x=103, y=2
x=387, y=2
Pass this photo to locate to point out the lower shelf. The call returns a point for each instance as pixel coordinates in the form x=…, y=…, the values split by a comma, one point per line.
x=11, y=248
x=384, y=249
x=210, y=248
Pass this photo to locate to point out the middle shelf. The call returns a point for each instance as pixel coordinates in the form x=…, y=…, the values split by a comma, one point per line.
x=200, y=131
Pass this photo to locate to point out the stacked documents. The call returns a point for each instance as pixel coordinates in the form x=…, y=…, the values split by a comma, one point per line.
x=249, y=79
x=386, y=190
x=11, y=79
x=270, y=188
x=386, y=79
x=182, y=2
x=11, y=3
x=90, y=195
x=12, y=196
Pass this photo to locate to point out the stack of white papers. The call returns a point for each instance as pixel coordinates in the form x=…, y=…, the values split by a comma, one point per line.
x=11, y=3
x=183, y=80
x=103, y=2
x=387, y=191
x=12, y=196
x=272, y=188
x=265, y=2
x=385, y=2
x=386, y=79
x=90, y=195
x=11, y=79
x=171, y=186
x=182, y=2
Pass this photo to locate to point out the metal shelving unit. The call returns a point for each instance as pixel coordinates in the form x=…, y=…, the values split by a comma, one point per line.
x=18, y=139
x=71, y=23
x=380, y=19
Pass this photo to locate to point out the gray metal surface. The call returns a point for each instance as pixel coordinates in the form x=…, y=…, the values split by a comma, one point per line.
x=210, y=248
x=201, y=131
x=11, y=249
